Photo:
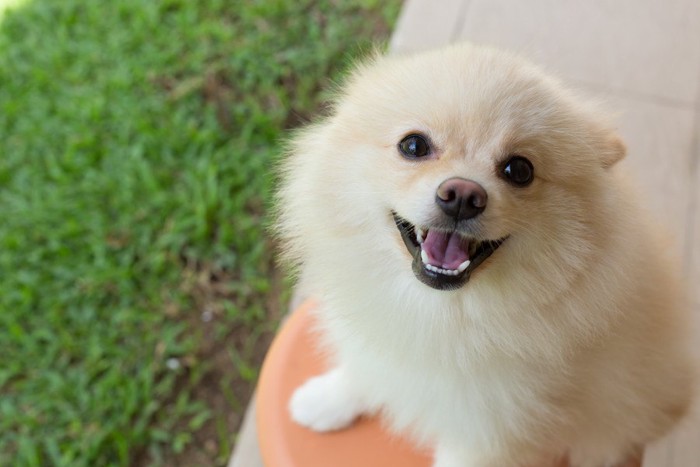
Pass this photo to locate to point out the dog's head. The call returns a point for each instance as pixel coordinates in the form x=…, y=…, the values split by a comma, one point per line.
x=458, y=160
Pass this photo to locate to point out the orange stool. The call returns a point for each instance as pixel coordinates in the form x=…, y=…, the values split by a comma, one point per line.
x=291, y=360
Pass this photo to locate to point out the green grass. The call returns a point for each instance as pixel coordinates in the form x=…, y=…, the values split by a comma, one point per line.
x=136, y=140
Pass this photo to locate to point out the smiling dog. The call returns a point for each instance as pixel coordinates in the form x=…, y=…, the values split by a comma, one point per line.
x=488, y=281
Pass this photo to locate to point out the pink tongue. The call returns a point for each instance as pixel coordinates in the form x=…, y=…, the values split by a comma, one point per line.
x=446, y=250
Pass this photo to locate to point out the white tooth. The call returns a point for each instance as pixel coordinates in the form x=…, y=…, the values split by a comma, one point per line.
x=424, y=256
x=463, y=266
x=420, y=235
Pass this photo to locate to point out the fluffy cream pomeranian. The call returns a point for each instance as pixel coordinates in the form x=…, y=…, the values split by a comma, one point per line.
x=489, y=284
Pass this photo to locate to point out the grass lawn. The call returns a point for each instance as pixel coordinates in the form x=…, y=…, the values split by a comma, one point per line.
x=137, y=288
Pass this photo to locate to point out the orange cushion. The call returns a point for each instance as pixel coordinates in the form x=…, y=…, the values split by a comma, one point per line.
x=291, y=360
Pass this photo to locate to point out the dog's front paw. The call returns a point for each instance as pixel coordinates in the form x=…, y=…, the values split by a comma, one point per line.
x=325, y=403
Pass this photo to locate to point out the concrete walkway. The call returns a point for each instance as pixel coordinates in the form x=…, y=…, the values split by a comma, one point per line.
x=643, y=58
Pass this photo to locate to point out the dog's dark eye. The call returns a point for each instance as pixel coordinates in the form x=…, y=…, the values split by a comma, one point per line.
x=518, y=171
x=414, y=146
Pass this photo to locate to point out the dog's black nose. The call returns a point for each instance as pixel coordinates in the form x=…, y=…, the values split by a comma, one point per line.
x=461, y=198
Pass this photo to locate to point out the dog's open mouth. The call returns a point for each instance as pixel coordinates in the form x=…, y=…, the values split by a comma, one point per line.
x=443, y=260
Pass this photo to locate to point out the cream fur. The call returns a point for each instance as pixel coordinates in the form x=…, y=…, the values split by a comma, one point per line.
x=570, y=338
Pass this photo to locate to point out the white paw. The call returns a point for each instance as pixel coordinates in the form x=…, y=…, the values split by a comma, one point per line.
x=325, y=403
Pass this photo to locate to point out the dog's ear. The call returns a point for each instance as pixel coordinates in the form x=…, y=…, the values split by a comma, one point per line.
x=614, y=151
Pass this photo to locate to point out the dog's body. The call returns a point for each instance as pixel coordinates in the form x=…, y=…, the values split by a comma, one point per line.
x=568, y=338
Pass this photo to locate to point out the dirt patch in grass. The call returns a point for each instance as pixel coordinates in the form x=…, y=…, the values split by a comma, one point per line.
x=227, y=359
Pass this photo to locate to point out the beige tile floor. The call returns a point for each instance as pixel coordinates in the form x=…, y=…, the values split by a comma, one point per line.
x=643, y=58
